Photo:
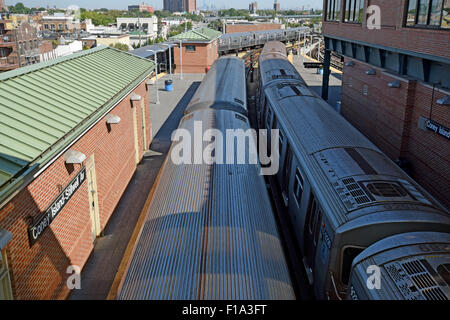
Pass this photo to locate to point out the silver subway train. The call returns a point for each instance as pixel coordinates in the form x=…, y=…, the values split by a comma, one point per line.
x=408, y=266
x=243, y=40
x=342, y=194
x=223, y=89
x=210, y=232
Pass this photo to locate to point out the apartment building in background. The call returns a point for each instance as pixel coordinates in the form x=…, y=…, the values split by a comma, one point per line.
x=180, y=5
x=19, y=46
x=396, y=83
x=253, y=7
x=141, y=7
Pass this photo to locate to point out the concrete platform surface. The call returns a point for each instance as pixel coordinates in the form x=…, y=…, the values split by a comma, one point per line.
x=314, y=80
x=100, y=270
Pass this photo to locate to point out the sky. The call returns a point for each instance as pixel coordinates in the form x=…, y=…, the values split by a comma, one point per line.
x=157, y=4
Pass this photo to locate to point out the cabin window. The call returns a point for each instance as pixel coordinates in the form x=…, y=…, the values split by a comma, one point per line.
x=348, y=256
x=298, y=186
x=432, y=13
x=354, y=10
x=333, y=10
x=190, y=48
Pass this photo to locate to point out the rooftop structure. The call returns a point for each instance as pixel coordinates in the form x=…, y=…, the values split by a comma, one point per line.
x=43, y=111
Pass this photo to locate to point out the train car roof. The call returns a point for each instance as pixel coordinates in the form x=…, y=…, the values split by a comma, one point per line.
x=424, y=243
x=413, y=266
x=261, y=32
x=198, y=244
x=274, y=64
x=224, y=87
x=355, y=172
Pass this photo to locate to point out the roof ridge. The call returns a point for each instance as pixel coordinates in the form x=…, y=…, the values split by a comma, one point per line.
x=46, y=64
x=199, y=33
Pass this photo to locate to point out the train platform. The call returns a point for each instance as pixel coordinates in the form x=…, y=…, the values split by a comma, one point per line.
x=314, y=80
x=103, y=265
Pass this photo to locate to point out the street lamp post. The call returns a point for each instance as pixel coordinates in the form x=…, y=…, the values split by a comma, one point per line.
x=181, y=59
x=155, y=53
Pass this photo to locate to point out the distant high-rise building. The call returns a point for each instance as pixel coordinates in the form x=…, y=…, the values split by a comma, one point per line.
x=276, y=5
x=3, y=6
x=141, y=7
x=180, y=5
x=252, y=7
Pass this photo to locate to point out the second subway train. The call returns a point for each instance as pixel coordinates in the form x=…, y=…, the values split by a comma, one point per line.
x=210, y=231
x=343, y=195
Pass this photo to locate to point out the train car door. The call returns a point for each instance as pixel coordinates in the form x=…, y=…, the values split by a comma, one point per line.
x=93, y=197
x=311, y=235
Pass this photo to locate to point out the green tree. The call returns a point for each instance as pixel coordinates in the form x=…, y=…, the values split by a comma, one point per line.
x=120, y=46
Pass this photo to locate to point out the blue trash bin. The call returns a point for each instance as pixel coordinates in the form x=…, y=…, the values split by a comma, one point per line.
x=169, y=85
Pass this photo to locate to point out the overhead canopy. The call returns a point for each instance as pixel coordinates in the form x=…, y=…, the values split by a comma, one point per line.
x=144, y=52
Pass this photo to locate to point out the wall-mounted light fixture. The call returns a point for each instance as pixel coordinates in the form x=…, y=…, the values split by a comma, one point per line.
x=394, y=84
x=74, y=157
x=135, y=97
x=112, y=119
x=349, y=64
x=371, y=72
x=445, y=101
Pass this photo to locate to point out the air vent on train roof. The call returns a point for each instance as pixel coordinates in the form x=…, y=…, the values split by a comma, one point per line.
x=386, y=189
x=415, y=279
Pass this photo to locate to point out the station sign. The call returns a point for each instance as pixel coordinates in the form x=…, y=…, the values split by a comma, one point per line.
x=43, y=221
x=438, y=129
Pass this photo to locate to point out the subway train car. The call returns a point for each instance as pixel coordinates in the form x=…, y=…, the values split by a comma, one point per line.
x=342, y=194
x=224, y=88
x=210, y=231
x=241, y=40
x=410, y=266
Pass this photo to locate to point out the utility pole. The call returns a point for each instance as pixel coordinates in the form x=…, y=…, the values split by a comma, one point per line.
x=181, y=59
x=139, y=27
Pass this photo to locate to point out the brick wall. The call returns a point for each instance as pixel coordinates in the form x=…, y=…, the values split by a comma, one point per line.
x=389, y=117
x=198, y=61
x=392, y=32
x=39, y=272
x=233, y=28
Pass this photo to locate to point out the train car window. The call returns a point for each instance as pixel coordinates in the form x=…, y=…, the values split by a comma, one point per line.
x=312, y=211
x=348, y=256
x=444, y=272
x=317, y=226
x=298, y=185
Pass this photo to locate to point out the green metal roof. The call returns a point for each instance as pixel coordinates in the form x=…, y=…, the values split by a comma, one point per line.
x=200, y=34
x=44, y=107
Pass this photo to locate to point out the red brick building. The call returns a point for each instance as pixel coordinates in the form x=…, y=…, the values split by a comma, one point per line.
x=199, y=50
x=77, y=128
x=18, y=46
x=396, y=82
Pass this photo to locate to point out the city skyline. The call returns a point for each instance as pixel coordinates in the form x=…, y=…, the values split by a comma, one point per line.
x=158, y=4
